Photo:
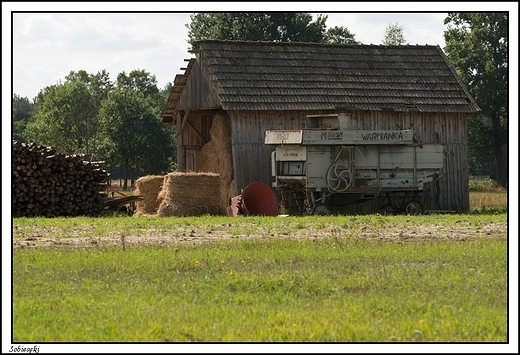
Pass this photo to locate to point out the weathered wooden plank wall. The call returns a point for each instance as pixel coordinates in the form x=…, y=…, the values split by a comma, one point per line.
x=448, y=129
x=193, y=134
x=199, y=91
x=252, y=157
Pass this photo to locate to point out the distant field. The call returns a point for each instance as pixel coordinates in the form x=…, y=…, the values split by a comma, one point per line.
x=494, y=201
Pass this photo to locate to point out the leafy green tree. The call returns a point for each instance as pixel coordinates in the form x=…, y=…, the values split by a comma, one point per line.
x=65, y=117
x=133, y=137
x=21, y=111
x=394, y=35
x=256, y=26
x=100, y=83
x=480, y=151
x=138, y=80
x=172, y=129
x=167, y=89
x=477, y=46
x=340, y=35
x=145, y=83
x=297, y=27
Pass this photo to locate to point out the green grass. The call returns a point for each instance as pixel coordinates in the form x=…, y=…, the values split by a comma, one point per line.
x=340, y=288
x=485, y=185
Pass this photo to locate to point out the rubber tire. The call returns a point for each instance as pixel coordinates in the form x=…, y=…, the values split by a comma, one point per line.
x=388, y=209
x=321, y=210
x=414, y=207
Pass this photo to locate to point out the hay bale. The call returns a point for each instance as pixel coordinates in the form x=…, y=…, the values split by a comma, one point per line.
x=216, y=156
x=205, y=163
x=221, y=128
x=191, y=194
x=149, y=187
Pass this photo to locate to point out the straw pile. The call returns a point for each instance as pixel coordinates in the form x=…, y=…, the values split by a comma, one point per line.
x=191, y=194
x=149, y=187
x=216, y=155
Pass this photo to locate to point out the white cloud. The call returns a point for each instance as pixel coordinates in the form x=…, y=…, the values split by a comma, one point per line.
x=93, y=42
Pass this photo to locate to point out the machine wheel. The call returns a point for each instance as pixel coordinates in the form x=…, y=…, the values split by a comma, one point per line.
x=388, y=209
x=338, y=177
x=321, y=210
x=413, y=207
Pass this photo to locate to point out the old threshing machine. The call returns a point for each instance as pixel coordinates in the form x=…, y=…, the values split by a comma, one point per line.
x=327, y=166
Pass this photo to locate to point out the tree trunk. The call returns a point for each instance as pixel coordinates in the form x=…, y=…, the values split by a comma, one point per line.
x=500, y=160
x=125, y=184
x=501, y=166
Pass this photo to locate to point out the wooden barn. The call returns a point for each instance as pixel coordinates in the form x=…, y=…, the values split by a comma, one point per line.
x=233, y=91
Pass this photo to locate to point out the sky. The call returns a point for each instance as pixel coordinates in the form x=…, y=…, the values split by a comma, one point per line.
x=46, y=46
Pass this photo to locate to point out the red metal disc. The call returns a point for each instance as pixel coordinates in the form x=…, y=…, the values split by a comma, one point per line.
x=259, y=199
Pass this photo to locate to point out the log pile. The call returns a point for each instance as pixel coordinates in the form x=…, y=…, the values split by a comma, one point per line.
x=49, y=184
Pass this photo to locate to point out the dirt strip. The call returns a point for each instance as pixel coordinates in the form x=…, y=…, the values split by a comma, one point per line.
x=49, y=237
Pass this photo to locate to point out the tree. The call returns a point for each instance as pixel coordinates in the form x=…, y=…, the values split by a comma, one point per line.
x=256, y=26
x=394, y=35
x=22, y=111
x=128, y=133
x=138, y=80
x=133, y=138
x=65, y=117
x=297, y=27
x=477, y=46
x=339, y=35
x=145, y=83
x=167, y=89
x=99, y=84
x=480, y=151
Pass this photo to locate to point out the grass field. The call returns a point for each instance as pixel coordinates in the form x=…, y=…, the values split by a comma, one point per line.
x=327, y=279
x=265, y=290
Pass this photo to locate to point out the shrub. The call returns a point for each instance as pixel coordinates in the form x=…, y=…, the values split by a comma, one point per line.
x=485, y=185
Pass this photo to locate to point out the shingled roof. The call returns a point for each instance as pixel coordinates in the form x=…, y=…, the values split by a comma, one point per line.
x=314, y=76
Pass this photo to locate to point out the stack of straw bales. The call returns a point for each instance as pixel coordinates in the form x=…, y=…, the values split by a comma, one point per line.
x=149, y=187
x=191, y=194
x=216, y=155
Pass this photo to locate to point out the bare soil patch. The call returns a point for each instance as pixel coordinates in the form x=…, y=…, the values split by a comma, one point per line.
x=85, y=238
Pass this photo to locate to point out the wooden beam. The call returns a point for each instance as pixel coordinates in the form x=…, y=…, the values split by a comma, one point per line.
x=184, y=120
x=197, y=132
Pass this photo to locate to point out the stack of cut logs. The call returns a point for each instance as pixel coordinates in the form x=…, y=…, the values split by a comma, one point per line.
x=49, y=184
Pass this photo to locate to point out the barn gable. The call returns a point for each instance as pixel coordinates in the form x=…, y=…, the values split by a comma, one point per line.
x=274, y=85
